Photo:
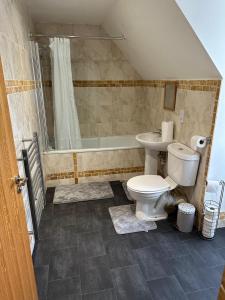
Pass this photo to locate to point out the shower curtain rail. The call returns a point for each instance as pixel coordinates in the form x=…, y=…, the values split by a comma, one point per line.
x=39, y=35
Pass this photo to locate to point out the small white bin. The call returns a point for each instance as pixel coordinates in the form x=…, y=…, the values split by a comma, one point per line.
x=185, y=217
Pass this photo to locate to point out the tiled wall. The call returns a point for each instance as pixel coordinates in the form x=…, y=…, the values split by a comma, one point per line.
x=104, y=108
x=15, y=52
x=199, y=101
x=69, y=168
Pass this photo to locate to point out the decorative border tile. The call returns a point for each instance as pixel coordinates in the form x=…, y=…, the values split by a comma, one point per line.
x=196, y=85
x=90, y=173
x=19, y=86
x=76, y=175
x=75, y=168
x=61, y=175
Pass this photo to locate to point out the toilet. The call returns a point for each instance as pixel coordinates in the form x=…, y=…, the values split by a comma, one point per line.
x=149, y=190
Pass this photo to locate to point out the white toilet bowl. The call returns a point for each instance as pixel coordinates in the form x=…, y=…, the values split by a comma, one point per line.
x=146, y=190
x=182, y=167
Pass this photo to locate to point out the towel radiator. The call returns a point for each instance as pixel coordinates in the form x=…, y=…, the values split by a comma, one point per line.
x=35, y=180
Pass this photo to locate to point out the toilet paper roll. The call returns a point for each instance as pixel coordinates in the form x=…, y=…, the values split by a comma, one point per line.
x=212, y=186
x=167, y=131
x=209, y=228
x=211, y=212
x=198, y=142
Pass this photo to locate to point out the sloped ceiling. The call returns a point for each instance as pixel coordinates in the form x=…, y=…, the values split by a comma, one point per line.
x=90, y=12
x=160, y=43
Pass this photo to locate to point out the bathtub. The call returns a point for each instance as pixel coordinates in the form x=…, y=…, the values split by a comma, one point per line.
x=104, y=143
x=100, y=159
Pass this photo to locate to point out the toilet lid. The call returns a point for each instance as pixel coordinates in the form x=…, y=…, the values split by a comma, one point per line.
x=148, y=183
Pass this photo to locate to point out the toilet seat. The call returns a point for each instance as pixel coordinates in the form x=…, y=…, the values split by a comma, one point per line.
x=148, y=184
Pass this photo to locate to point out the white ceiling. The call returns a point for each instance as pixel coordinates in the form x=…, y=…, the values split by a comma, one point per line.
x=90, y=12
x=160, y=42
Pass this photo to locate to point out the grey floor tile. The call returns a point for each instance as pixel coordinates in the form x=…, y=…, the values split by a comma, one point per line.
x=95, y=275
x=208, y=294
x=185, y=236
x=90, y=244
x=84, y=221
x=152, y=261
x=67, y=297
x=173, y=249
x=41, y=274
x=47, y=212
x=47, y=229
x=65, y=237
x=193, y=275
x=142, y=239
x=64, y=209
x=66, y=289
x=43, y=252
x=64, y=263
x=120, y=197
x=207, y=252
x=169, y=237
x=164, y=226
x=219, y=240
x=108, y=232
x=102, y=295
x=87, y=227
x=166, y=288
x=83, y=209
x=100, y=208
x=49, y=195
x=119, y=253
x=130, y=284
x=65, y=220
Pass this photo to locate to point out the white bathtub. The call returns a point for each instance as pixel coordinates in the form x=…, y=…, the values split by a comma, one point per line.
x=105, y=143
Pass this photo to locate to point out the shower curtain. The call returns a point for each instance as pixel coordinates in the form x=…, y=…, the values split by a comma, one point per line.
x=66, y=123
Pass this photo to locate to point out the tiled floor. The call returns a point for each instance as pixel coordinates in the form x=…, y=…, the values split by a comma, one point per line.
x=80, y=256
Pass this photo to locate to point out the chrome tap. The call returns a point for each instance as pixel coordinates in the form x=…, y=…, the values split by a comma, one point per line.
x=158, y=130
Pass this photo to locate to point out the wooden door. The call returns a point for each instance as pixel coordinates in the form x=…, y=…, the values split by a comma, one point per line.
x=17, y=281
x=222, y=288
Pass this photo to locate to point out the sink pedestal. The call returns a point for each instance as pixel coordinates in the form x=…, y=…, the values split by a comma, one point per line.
x=151, y=162
x=153, y=144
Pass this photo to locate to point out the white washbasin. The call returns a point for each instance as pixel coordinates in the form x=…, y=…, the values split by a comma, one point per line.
x=152, y=141
x=153, y=144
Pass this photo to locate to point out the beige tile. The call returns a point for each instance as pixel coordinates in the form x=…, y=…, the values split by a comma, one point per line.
x=58, y=163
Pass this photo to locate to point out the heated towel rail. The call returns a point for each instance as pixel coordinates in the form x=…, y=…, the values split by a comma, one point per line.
x=35, y=180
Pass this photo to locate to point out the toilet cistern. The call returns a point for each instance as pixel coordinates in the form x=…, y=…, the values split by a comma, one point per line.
x=153, y=144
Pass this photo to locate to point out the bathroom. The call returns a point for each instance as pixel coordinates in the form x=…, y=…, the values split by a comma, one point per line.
x=103, y=101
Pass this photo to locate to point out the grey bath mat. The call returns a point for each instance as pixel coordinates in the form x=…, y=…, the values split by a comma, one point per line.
x=82, y=192
x=125, y=221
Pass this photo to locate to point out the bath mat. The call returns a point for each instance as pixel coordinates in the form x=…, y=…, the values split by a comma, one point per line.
x=125, y=221
x=82, y=192
x=124, y=184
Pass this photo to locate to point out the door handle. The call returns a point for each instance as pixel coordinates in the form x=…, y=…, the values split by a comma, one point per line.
x=20, y=182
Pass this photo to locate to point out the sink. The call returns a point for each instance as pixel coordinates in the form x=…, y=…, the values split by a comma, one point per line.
x=152, y=142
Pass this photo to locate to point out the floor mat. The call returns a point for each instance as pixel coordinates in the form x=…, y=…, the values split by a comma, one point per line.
x=82, y=192
x=125, y=221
